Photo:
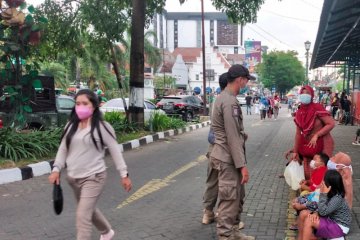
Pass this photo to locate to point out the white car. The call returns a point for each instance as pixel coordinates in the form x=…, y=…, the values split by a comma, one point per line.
x=241, y=99
x=116, y=105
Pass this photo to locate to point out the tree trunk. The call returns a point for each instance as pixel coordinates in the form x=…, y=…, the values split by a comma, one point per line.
x=118, y=78
x=136, y=102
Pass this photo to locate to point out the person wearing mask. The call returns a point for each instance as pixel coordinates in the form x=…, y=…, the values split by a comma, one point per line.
x=313, y=126
x=228, y=155
x=82, y=151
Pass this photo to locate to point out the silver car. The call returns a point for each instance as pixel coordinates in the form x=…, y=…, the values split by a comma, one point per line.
x=241, y=99
x=117, y=105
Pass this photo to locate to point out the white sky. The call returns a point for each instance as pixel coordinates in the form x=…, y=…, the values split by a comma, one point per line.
x=282, y=25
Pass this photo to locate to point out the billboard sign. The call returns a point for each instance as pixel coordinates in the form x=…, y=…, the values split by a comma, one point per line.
x=252, y=54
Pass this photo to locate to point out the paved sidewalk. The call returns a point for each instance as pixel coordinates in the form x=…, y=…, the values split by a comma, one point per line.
x=343, y=136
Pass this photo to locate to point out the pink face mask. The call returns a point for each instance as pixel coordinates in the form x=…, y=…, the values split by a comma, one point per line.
x=83, y=112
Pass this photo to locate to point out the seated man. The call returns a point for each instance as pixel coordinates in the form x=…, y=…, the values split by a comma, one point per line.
x=342, y=163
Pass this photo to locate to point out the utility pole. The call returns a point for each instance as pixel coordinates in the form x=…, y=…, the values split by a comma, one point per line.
x=307, y=48
x=203, y=56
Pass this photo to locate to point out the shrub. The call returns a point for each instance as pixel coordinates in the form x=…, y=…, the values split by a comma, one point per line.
x=161, y=122
x=119, y=122
x=35, y=144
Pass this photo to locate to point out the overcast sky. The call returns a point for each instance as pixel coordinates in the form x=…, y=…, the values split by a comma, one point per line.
x=282, y=25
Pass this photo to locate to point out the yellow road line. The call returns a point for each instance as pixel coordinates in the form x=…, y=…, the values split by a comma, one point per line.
x=157, y=184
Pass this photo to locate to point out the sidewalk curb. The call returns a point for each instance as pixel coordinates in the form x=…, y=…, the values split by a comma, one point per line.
x=44, y=167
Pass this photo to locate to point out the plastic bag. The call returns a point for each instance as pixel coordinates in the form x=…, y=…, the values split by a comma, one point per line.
x=294, y=173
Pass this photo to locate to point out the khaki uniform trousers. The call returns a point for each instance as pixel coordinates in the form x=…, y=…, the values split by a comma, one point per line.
x=231, y=196
x=87, y=191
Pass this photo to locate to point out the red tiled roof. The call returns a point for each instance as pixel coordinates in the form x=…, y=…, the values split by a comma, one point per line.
x=189, y=55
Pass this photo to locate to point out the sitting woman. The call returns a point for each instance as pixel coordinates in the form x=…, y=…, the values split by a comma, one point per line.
x=333, y=219
x=313, y=126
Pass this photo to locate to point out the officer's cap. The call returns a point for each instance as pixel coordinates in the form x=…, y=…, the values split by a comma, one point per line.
x=238, y=70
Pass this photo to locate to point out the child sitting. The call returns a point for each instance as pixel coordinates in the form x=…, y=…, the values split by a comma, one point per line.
x=333, y=218
x=306, y=200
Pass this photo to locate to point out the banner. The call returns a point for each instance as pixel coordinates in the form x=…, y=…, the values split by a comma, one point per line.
x=252, y=54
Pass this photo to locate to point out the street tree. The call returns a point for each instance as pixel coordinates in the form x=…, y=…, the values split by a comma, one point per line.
x=244, y=11
x=281, y=70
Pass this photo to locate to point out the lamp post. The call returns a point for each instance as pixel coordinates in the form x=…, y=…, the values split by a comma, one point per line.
x=307, y=48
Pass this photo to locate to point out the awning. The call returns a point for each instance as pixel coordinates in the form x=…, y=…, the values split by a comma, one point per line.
x=338, y=37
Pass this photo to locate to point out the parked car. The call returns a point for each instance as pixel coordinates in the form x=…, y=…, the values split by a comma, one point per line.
x=46, y=118
x=241, y=99
x=186, y=106
x=117, y=105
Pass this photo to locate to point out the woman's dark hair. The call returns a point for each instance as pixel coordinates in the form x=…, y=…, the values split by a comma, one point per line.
x=333, y=178
x=324, y=158
x=96, y=119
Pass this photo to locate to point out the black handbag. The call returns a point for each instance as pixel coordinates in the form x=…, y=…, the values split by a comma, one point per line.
x=58, y=199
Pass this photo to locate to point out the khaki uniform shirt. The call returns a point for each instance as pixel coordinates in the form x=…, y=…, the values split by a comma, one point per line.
x=227, y=123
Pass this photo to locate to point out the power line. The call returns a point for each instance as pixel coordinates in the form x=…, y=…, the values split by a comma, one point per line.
x=259, y=34
x=275, y=37
x=298, y=19
x=310, y=4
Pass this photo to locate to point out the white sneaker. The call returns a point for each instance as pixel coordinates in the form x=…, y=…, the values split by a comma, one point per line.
x=356, y=143
x=107, y=236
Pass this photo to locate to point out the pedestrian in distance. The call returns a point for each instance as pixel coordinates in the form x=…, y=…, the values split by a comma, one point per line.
x=82, y=151
x=212, y=189
x=347, y=110
x=228, y=154
x=277, y=106
x=248, y=100
x=357, y=138
x=333, y=218
x=313, y=126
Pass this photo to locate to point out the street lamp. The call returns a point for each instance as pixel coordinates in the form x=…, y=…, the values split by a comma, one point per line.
x=307, y=48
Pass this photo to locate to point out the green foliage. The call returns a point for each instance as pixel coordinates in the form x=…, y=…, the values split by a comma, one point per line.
x=16, y=146
x=119, y=122
x=162, y=82
x=161, y=122
x=281, y=70
x=18, y=70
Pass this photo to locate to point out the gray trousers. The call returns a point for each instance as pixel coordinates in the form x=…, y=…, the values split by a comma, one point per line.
x=231, y=196
x=87, y=191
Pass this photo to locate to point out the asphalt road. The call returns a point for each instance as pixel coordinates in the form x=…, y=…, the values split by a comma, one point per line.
x=168, y=183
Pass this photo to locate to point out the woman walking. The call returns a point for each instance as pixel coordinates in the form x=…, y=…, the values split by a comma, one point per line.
x=82, y=151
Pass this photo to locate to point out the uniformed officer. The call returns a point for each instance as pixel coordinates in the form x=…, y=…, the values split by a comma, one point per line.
x=211, y=192
x=228, y=154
